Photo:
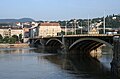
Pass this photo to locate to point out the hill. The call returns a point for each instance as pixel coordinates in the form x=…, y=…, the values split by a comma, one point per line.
x=16, y=20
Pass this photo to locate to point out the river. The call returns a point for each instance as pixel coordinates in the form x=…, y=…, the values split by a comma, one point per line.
x=31, y=63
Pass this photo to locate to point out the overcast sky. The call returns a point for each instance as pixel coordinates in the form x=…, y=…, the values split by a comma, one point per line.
x=57, y=9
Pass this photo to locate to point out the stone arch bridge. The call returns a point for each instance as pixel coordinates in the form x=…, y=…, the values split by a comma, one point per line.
x=85, y=43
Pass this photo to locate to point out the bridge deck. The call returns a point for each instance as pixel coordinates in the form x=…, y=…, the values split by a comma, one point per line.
x=80, y=35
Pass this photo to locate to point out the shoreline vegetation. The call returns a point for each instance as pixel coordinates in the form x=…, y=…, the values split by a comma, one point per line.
x=21, y=45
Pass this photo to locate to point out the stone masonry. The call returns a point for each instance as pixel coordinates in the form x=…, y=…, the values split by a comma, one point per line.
x=115, y=64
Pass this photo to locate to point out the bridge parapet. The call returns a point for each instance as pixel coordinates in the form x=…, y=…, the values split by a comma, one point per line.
x=88, y=35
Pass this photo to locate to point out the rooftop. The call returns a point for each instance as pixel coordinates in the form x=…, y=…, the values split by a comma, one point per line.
x=17, y=28
x=49, y=24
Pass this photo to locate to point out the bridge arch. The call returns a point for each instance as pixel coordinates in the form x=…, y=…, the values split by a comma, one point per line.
x=37, y=43
x=90, y=43
x=54, y=42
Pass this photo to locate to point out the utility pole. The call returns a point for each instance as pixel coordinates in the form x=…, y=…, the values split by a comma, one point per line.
x=104, y=23
x=88, y=25
x=66, y=28
x=72, y=30
x=81, y=28
x=75, y=25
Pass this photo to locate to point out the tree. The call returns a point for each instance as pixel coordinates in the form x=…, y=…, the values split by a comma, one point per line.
x=20, y=37
x=12, y=40
x=16, y=37
x=1, y=38
x=6, y=39
x=62, y=32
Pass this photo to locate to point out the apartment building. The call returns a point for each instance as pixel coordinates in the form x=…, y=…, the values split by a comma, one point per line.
x=5, y=31
x=49, y=29
x=17, y=32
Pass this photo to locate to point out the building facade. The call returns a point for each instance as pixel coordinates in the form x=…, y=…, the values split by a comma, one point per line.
x=11, y=31
x=49, y=29
x=93, y=31
x=17, y=32
x=5, y=32
x=33, y=31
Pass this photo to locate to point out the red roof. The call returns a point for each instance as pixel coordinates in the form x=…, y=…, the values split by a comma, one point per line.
x=49, y=24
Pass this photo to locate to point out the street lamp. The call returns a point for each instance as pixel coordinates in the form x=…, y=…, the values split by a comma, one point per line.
x=80, y=27
x=104, y=23
x=75, y=22
x=66, y=28
x=88, y=25
x=72, y=27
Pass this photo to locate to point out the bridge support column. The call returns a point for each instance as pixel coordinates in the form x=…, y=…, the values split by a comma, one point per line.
x=32, y=43
x=65, y=45
x=115, y=64
x=42, y=41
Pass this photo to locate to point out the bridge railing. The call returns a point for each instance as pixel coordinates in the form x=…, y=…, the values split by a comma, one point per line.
x=77, y=35
x=88, y=35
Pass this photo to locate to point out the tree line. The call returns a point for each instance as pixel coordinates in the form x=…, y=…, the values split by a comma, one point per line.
x=11, y=40
x=112, y=21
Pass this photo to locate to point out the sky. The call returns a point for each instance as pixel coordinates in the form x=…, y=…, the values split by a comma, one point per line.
x=57, y=9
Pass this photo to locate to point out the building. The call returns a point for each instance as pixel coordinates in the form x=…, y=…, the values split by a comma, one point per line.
x=17, y=31
x=93, y=31
x=7, y=31
x=68, y=29
x=26, y=30
x=48, y=29
x=33, y=31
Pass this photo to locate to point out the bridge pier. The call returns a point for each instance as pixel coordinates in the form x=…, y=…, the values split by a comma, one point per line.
x=65, y=45
x=42, y=42
x=32, y=42
x=115, y=64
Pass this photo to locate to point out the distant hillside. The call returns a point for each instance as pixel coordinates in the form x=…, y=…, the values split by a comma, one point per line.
x=16, y=20
x=25, y=20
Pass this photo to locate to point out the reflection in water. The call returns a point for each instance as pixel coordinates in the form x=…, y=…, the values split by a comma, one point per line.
x=80, y=67
x=14, y=50
x=106, y=57
x=38, y=64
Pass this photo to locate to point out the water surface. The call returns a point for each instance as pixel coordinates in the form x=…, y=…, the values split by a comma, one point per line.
x=29, y=63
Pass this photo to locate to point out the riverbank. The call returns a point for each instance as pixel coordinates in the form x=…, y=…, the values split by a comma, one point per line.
x=22, y=45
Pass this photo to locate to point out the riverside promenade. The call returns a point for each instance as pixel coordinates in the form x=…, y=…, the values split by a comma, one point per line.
x=21, y=45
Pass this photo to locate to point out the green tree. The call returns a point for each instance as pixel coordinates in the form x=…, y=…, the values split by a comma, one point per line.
x=12, y=40
x=6, y=39
x=62, y=32
x=20, y=37
x=16, y=37
x=1, y=38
